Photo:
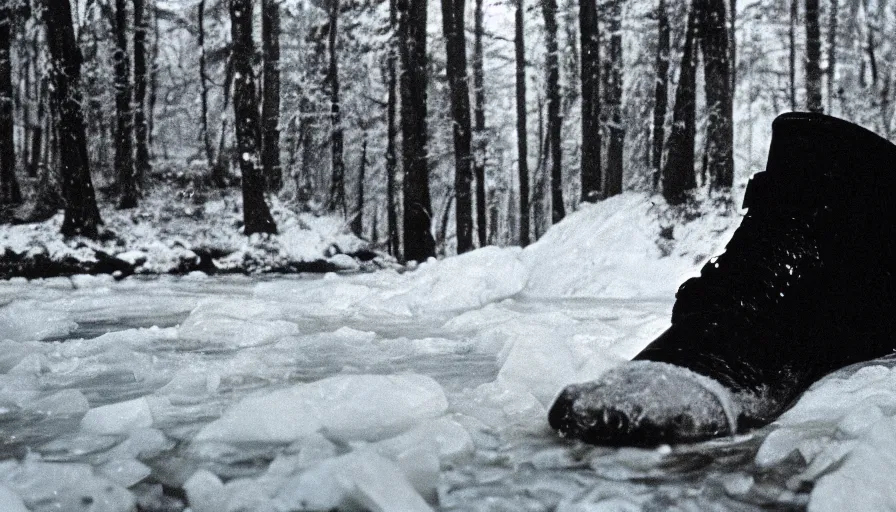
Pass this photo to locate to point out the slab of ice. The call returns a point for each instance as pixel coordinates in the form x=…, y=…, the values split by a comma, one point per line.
x=235, y=324
x=10, y=501
x=27, y=320
x=361, y=480
x=118, y=418
x=125, y=472
x=344, y=408
x=65, y=402
x=64, y=486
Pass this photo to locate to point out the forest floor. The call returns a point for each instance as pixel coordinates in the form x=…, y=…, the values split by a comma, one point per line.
x=179, y=228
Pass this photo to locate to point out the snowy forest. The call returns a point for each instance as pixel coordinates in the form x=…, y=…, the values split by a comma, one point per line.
x=425, y=128
x=348, y=255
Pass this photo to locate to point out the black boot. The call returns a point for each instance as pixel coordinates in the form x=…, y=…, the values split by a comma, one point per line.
x=806, y=285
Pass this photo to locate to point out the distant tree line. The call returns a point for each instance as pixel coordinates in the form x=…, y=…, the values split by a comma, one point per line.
x=421, y=120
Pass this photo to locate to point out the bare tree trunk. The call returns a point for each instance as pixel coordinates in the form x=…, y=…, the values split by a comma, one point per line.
x=337, y=183
x=832, y=54
x=270, y=153
x=455, y=49
x=10, y=193
x=141, y=81
x=521, y=130
x=552, y=87
x=678, y=173
x=661, y=95
x=358, y=219
x=124, y=126
x=813, y=58
x=589, y=33
x=153, y=84
x=256, y=215
x=419, y=244
x=791, y=33
x=204, y=89
x=391, y=133
x=219, y=170
x=614, y=104
x=37, y=134
x=82, y=217
x=719, y=127
x=480, y=143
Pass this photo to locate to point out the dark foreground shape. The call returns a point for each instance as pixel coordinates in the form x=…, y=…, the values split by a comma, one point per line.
x=806, y=285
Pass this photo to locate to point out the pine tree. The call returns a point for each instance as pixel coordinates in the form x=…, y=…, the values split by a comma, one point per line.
x=256, y=215
x=124, y=115
x=270, y=108
x=419, y=243
x=613, y=185
x=591, y=105
x=455, y=49
x=661, y=95
x=10, y=193
x=82, y=217
x=521, y=130
x=813, y=58
x=555, y=125
x=337, y=171
x=142, y=164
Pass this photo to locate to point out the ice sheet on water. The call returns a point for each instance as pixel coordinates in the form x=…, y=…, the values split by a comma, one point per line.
x=372, y=407
x=232, y=324
x=46, y=486
x=29, y=320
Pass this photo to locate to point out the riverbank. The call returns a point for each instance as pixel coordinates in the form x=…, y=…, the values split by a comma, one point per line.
x=178, y=231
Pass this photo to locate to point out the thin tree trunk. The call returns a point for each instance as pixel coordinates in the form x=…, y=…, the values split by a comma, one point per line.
x=219, y=170
x=678, y=173
x=391, y=133
x=256, y=215
x=124, y=115
x=141, y=81
x=358, y=219
x=271, y=97
x=794, y=13
x=614, y=103
x=661, y=95
x=521, y=130
x=337, y=183
x=552, y=87
x=37, y=134
x=479, y=155
x=589, y=33
x=10, y=193
x=455, y=49
x=832, y=54
x=82, y=217
x=719, y=127
x=419, y=244
x=813, y=58
x=204, y=89
x=153, y=85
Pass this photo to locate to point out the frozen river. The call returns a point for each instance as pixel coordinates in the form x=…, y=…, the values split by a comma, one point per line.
x=379, y=392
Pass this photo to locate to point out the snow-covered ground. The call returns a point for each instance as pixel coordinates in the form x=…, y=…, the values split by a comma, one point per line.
x=399, y=391
x=176, y=229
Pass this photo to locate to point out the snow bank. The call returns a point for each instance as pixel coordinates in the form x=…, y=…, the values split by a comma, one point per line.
x=625, y=247
x=844, y=428
x=371, y=407
x=464, y=282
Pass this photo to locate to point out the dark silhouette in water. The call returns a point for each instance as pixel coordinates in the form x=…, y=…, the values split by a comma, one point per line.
x=806, y=286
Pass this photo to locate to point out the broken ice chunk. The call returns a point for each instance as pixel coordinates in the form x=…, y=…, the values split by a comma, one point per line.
x=119, y=418
x=344, y=408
